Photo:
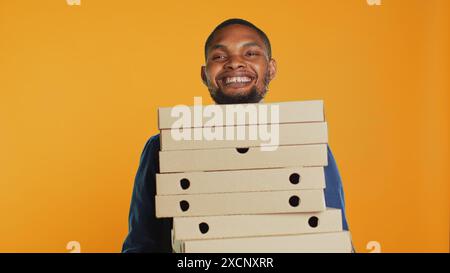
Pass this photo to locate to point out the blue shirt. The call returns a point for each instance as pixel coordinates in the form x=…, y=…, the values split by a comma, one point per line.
x=146, y=233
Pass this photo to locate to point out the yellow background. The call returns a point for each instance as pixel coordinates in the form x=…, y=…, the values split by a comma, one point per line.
x=80, y=87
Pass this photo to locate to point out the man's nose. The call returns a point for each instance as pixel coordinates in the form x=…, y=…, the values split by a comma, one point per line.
x=235, y=62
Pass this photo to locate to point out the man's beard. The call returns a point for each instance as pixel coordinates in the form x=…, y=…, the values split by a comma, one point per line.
x=253, y=96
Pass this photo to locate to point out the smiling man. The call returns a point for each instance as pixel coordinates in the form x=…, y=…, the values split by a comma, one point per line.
x=239, y=64
x=239, y=67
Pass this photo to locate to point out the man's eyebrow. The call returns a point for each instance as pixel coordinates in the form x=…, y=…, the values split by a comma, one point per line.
x=252, y=44
x=216, y=46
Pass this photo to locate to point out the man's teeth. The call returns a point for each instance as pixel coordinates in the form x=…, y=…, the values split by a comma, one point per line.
x=237, y=79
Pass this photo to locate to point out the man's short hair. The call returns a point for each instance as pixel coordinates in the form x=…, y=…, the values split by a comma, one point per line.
x=237, y=21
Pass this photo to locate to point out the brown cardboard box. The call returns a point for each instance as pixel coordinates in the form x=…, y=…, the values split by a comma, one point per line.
x=288, y=134
x=240, y=203
x=215, y=227
x=235, y=159
x=334, y=242
x=289, y=112
x=240, y=181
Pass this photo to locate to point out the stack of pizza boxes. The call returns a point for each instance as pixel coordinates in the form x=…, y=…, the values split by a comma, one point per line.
x=229, y=193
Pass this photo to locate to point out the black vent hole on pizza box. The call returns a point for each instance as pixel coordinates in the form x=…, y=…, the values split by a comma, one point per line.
x=294, y=201
x=184, y=205
x=294, y=178
x=204, y=227
x=242, y=150
x=185, y=183
x=313, y=222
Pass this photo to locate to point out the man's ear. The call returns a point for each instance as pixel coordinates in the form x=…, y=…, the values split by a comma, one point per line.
x=203, y=75
x=272, y=69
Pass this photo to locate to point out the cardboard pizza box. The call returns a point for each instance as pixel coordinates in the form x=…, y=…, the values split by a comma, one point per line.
x=243, y=158
x=244, y=136
x=294, y=178
x=230, y=226
x=240, y=114
x=240, y=203
x=333, y=242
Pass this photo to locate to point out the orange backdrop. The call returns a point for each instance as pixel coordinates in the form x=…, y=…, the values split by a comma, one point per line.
x=80, y=87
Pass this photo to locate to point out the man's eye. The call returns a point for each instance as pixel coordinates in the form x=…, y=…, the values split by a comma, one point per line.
x=219, y=57
x=252, y=53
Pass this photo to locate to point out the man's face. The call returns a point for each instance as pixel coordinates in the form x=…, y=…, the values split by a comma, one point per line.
x=238, y=69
